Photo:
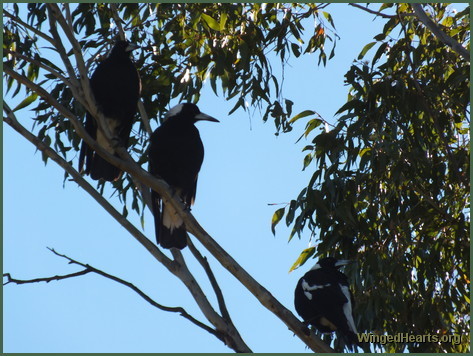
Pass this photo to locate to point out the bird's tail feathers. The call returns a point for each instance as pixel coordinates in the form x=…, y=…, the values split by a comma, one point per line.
x=101, y=168
x=176, y=238
x=171, y=231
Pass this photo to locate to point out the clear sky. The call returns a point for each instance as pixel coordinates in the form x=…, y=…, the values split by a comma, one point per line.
x=246, y=167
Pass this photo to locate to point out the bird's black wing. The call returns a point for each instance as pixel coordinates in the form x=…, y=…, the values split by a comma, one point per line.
x=86, y=153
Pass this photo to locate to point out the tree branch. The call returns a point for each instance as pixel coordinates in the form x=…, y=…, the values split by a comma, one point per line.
x=231, y=334
x=442, y=36
x=213, y=281
x=178, y=268
x=91, y=269
x=377, y=13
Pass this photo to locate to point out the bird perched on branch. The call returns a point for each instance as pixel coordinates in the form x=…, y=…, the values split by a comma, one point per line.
x=116, y=86
x=176, y=153
x=323, y=299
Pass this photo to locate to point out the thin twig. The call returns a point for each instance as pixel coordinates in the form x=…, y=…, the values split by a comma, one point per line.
x=377, y=13
x=41, y=65
x=31, y=28
x=10, y=279
x=213, y=281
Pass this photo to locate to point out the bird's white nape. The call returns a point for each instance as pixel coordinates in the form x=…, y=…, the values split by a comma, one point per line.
x=175, y=110
x=316, y=266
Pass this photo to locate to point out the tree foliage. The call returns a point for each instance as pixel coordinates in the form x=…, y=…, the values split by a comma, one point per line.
x=390, y=186
x=390, y=183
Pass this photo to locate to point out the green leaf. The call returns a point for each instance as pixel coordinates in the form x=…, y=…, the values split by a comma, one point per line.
x=296, y=49
x=329, y=18
x=303, y=257
x=223, y=21
x=301, y=115
x=27, y=101
x=214, y=25
x=366, y=49
x=276, y=219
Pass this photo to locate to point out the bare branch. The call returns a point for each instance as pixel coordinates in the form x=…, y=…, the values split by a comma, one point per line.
x=10, y=279
x=90, y=269
x=143, y=295
x=442, y=36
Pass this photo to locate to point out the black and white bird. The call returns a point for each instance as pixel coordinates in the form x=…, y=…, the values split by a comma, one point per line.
x=176, y=153
x=116, y=86
x=323, y=299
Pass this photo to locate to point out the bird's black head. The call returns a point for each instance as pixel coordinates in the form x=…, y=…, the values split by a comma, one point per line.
x=330, y=262
x=123, y=48
x=188, y=112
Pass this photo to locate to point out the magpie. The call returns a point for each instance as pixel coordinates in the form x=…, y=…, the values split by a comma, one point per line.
x=116, y=87
x=176, y=153
x=323, y=299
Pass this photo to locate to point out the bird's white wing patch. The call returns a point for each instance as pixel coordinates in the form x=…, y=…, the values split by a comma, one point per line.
x=347, y=310
x=171, y=218
x=307, y=288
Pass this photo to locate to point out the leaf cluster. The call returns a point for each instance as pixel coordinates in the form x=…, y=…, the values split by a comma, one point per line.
x=391, y=183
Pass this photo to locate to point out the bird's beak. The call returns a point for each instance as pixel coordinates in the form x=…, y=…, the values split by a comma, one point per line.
x=205, y=117
x=340, y=263
x=131, y=47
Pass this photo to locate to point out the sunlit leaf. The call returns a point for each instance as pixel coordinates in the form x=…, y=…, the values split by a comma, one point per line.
x=27, y=101
x=277, y=216
x=303, y=257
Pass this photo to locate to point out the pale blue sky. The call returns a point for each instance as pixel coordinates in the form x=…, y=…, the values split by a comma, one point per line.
x=244, y=170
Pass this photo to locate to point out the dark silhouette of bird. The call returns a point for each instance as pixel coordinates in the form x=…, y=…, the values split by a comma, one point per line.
x=116, y=86
x=176, y=153
x=323, y=299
